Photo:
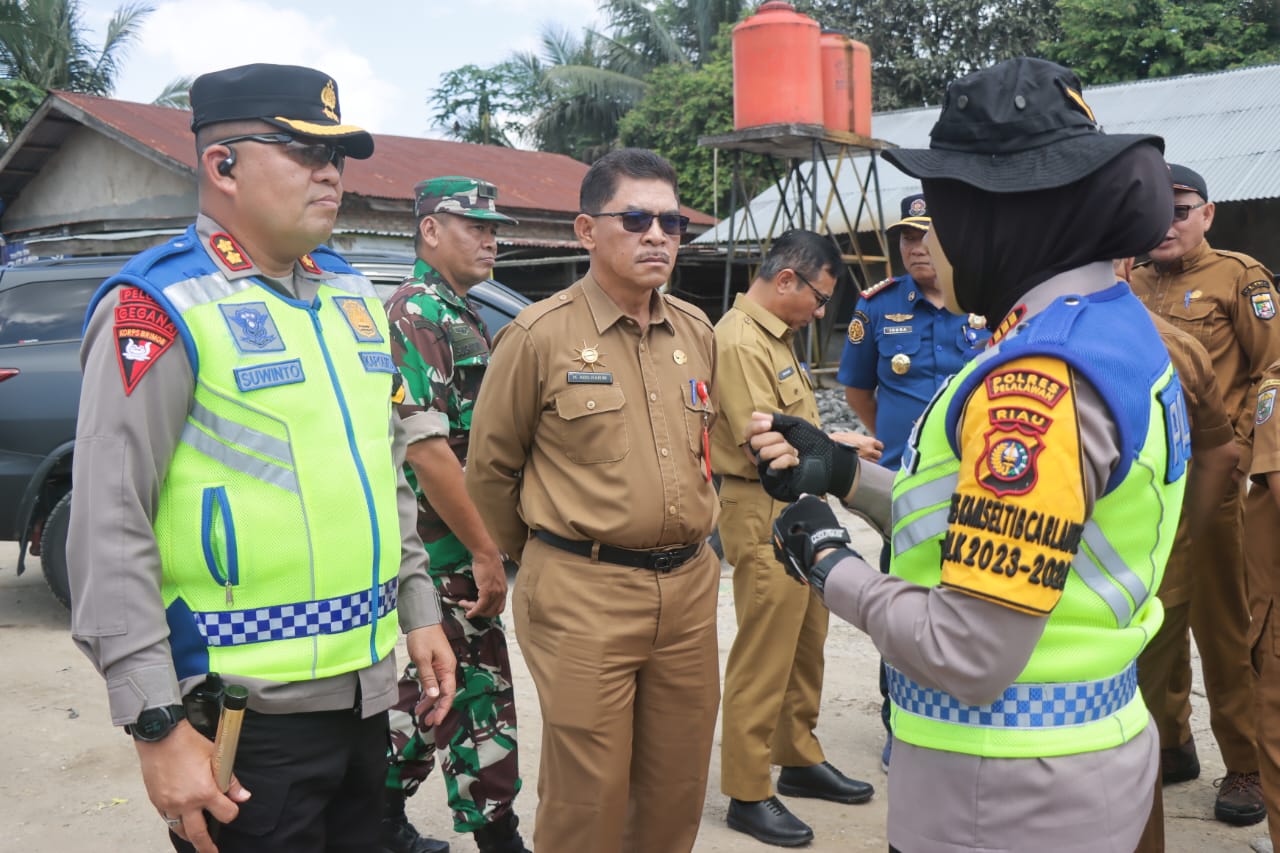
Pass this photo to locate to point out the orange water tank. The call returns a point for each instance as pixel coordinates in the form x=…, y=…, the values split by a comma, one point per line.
x=837, y=81
x=861, y=88
x=777, y=73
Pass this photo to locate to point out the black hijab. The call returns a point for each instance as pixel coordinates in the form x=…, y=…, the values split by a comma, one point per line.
x=1001, y=245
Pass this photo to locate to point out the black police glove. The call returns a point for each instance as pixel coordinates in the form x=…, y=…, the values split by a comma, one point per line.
x=800, y=532
x=826, y=466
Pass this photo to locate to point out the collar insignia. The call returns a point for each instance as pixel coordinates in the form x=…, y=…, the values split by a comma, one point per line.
x=229, y=252
x=308, y=264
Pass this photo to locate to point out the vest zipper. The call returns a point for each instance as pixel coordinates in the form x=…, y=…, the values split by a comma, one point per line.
x=218, y=537
x=366, y=488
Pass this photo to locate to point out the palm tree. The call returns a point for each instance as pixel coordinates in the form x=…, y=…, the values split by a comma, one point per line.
x=43, y=46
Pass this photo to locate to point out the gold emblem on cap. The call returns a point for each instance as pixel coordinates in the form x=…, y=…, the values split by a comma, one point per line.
x=589, y=356
x=679, y=357
x=901, y=363
x=977, y=321
x=329, y=97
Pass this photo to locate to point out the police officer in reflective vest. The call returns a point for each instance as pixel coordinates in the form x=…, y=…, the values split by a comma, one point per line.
x=239, y=504
x=1038, y=499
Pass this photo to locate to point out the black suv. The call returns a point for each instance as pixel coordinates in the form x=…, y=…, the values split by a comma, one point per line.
x=42, y=308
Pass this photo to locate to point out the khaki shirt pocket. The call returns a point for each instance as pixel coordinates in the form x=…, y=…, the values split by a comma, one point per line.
x=791, y=391
x=693, y=426
x=1198, y=317
x=592, y=426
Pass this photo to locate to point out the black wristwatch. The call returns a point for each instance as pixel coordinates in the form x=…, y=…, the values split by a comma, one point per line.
x=822, y=568
x=154, y=724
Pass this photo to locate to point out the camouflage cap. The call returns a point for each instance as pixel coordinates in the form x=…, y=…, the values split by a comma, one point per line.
x=460, y=196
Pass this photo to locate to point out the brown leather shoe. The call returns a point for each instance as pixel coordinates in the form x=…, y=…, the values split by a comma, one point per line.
x=1239, y=799
x=1179, y=763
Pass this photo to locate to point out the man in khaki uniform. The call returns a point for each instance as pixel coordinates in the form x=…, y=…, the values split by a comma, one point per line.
x=587, y=455
x=1227, y=301
x=1164, y=667
x=1263, y=505
x=773, y=682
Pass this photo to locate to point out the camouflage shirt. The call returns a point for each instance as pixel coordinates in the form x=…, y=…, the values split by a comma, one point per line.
x=441, y=346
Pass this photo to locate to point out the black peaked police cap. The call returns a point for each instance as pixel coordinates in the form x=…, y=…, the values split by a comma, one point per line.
x=1019, y=126
x=293, y=98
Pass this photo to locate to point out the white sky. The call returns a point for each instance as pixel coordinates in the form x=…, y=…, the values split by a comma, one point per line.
x=386, y=55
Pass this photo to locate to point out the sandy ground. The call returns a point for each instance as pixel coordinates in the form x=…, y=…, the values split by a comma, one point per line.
x=70, y=781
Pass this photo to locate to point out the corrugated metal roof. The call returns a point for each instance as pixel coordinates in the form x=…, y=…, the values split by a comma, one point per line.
x=1223, y=125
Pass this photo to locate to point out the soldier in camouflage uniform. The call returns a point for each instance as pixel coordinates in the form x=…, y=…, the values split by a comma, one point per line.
x=441, y=346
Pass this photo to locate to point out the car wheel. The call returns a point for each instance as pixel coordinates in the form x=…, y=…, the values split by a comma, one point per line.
x=53, y=550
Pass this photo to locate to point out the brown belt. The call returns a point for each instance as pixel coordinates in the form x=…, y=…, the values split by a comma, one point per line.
x=660, y=560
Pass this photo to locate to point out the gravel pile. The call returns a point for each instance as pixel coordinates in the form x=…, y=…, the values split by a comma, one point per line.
x=835, y=412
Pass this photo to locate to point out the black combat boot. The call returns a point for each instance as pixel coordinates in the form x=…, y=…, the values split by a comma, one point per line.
x=501, y=836
x=400, y=836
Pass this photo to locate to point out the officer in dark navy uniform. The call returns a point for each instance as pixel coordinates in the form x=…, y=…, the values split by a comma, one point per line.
x=903, y=343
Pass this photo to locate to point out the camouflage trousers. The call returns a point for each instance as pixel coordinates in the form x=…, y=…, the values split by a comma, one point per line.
x=478, y=737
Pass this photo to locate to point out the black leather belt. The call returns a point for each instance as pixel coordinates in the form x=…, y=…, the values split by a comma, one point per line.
x=662, y=560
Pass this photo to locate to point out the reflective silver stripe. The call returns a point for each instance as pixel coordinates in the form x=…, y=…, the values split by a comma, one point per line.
x=204, y=289
x=922, y=529
x=228, y=430
x=925, y=495
x=1096, y=566
x=1105, y=557
x=349, y=283
x=259, y=469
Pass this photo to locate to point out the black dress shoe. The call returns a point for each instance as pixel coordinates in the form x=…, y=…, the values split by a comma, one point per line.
x=823, y=782
x=1179, y=763
x=770, y=822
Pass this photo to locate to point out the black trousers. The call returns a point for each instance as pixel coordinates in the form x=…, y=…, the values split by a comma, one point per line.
x=317, y=782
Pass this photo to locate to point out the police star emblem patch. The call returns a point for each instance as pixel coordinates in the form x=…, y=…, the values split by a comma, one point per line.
x=1008, y=462
x=143, y=333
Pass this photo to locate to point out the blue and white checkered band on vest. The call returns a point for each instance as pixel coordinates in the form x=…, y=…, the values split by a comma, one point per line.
x=288, y=621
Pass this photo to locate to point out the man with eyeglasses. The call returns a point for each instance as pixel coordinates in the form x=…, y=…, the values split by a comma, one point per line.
x=1227, y=301
x=239, y=500
x=441, y=346
x=903, y=344
x=773, y=679
x=589, y=455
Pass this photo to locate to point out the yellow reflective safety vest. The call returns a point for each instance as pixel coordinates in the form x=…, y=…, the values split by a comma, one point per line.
x=1078, y=692
x=277, y=523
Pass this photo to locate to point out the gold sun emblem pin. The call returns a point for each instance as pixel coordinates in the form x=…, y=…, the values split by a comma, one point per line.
x=679, y=357
x=589, y=356
x=329, y=97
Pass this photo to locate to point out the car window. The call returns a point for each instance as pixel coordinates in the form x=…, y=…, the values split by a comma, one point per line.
x=44, y=311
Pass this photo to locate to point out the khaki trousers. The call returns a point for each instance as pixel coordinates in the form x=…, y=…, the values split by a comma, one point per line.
x=627, y=671
x=1263, y=559
x=773, y=679
x=1164, y=676
x=1218, y=615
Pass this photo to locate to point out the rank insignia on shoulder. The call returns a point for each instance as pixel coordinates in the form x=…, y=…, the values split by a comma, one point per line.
x=143, y=333
x=876, y=288
x=359, y=319
x=229, y=252
x=309, y=265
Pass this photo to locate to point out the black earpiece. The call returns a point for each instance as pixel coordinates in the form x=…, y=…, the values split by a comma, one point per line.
x=224, y=168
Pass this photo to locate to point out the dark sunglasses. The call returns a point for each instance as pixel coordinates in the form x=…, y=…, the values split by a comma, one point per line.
x=823, y=298
x=309, y=155
x=1182, y=211
x=638, y=221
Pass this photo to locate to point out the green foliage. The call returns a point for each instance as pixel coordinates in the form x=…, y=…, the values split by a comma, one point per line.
x=920, y=46
x=43, y=44
x=1107, y=41
x=484, y=105
x=176, y=94
x=681, y=104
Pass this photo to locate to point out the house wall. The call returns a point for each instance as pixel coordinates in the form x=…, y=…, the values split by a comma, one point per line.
x=92, y=179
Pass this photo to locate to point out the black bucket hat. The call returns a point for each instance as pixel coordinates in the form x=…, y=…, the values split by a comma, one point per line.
x=290, y=97
x=1019, y=126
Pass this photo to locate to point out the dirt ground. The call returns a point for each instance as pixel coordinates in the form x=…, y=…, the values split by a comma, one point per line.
x=70, y=781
